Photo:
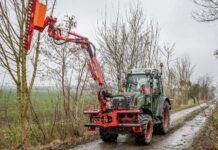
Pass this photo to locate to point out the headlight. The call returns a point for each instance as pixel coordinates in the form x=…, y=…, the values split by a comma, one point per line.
x=109, y=105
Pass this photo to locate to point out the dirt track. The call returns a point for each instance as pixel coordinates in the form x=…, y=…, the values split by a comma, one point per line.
x=178, y=139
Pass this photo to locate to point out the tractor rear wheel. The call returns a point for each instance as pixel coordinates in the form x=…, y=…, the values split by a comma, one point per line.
x=163, y=127
x=145, y=136
x=107, y=136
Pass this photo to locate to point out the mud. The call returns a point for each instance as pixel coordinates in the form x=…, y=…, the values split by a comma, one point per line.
x=183, y=137
x=179, y=139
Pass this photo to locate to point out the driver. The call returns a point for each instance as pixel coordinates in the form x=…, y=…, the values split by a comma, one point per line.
x=144, y=89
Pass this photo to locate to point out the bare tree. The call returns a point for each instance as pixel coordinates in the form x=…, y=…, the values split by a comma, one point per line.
x=128, y=43
x=2, y=83
x=148, y=54
x=184, y=71
x=13, y=57
x=20, y=65
x=207, y=12
x=113, y=42
x=60, y=57
x=216, y=53
x=170, y=80
x=195, y=92
x=65, y=64
x=205, y=83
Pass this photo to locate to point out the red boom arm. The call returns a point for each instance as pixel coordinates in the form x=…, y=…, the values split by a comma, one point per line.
x=36, y=21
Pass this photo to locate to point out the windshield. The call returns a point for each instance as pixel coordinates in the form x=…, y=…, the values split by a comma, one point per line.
x=134, y=82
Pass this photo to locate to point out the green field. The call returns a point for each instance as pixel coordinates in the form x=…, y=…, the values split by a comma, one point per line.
x=43, y=102
x=49, y=112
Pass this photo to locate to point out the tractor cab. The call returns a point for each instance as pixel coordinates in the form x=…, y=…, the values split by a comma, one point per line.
x=145, y=83
x=138, y=82
x=139, y=78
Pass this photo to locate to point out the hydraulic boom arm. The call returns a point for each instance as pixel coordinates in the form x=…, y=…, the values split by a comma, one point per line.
x=36, y=20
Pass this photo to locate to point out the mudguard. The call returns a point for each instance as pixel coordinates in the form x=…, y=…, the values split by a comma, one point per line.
x=159, y=112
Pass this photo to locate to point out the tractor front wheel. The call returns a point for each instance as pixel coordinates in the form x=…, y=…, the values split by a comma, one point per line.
x=106, y=136
x=145, y=136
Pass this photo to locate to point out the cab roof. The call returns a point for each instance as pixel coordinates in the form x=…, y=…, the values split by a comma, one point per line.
x=143, y=71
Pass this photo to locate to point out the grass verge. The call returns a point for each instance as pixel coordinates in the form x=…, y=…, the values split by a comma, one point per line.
x=208, y=137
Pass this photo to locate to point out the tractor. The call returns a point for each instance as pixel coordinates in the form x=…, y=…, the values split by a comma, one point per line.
x=141, y=109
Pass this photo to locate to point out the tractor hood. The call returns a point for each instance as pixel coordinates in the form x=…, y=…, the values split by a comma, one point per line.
x=123, y=100
x=132, y=98
x=129, y=94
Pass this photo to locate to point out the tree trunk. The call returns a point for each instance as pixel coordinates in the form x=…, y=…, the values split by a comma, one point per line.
x=23, y=97
x=23, y=100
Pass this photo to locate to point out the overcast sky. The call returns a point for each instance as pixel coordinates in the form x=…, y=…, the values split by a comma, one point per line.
x=198, y=40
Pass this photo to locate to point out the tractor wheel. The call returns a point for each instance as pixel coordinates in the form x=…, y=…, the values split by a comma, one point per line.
x=106, y=136
x=145, y=136
x=163, y=127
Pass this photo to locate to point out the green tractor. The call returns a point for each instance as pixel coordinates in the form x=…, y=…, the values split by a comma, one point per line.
x=140, y=109
x=146, y=89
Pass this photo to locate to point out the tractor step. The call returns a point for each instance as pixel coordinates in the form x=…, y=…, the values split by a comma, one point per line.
x=119, y=125
x=129, y=112
x=91, y=125
x=129, y=125
x=94, y=111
